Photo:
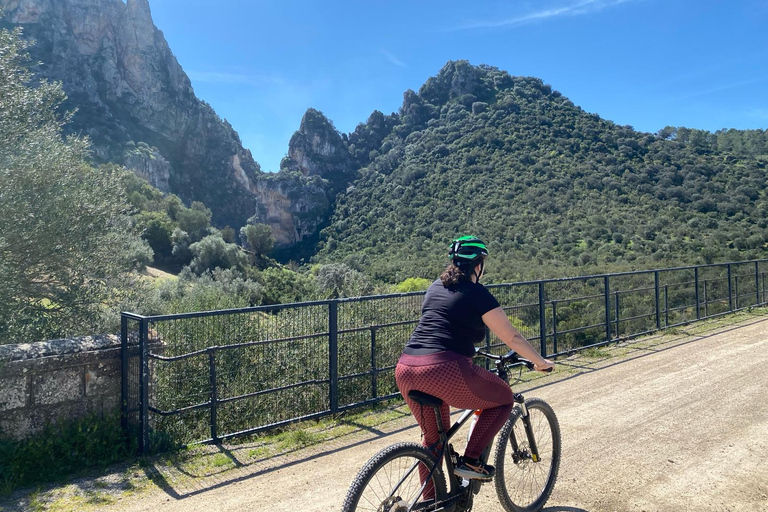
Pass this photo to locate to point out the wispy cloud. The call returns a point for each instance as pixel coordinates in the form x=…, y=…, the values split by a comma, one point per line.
x=720, y=88
x=234, y=78
x=391, y=58
x=578, y=8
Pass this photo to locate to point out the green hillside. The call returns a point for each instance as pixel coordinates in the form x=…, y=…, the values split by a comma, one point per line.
x=554, y=190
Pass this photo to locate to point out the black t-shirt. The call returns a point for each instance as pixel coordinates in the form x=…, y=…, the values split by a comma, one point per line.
x=451, y=319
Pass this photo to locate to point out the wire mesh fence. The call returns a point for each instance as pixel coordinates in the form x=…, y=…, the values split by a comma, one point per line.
x=371, y=331
x=210, y=376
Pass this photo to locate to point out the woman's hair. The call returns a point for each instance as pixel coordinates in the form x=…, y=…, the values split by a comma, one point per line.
x=453, y=275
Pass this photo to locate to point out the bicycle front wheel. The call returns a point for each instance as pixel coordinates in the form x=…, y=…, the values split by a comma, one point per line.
x=522, y=484
x=393, y=481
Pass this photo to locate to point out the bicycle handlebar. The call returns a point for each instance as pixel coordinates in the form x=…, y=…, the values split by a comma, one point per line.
x=510, y=359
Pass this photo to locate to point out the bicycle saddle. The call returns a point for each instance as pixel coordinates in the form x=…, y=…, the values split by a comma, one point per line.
x=424, y=399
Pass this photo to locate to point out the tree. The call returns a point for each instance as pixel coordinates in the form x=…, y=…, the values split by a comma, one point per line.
x=258, y=238
x=340, y=280
x=195, y=220
x=282, y=286
x=156, y=228
x=65, y=236
x=228, y=234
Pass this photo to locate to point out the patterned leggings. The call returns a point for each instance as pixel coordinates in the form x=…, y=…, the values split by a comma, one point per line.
x=461, y=384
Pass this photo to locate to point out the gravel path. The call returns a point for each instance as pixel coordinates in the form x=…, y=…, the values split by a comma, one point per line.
x=666, y=426
x=673, y=427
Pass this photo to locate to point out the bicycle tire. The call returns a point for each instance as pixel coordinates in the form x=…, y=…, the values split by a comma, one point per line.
x=521, y=484
x=373, y=485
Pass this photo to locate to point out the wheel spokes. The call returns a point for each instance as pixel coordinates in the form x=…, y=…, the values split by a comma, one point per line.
x=396, y=486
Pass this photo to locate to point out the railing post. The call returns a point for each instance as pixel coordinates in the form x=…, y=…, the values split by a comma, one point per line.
x=542, y=321
x=214, y=395
x=757, y=284
x=616, y=313
x=730, y=290
x=736, y=290
x=374, y=370
x=607, y=284
x=656, y=293
x=124, y=372
x=144, y=386
x=333, y=354
x=696, y=291
x=554, y=326
x=666, y=305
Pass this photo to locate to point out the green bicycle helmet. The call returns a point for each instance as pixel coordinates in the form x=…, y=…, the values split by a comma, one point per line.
x=467, y=251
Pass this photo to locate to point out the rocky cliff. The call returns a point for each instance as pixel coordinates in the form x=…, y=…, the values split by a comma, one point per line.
x=128, y=89
x=137, y=105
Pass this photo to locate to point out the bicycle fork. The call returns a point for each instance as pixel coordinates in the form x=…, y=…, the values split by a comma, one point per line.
x=526, y=419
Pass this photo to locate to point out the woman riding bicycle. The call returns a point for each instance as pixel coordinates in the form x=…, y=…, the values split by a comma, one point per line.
x=438, y=357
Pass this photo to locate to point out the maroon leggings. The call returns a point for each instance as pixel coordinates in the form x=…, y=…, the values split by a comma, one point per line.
x=458, y=383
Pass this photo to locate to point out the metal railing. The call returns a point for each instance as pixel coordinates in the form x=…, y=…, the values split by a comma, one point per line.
x=210, y=376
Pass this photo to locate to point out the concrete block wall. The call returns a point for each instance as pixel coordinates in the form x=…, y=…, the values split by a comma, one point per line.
x=56, y=380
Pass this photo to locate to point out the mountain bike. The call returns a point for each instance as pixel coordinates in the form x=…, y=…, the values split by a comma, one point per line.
x=408, y=477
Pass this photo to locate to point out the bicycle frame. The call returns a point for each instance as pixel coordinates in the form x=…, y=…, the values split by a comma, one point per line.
x=460, y=493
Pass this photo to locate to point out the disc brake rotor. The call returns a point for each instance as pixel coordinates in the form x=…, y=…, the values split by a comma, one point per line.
x=393, y=504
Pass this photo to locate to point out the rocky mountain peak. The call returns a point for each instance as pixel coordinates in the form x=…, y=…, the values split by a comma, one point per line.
x=459, y=79
x=318, y=149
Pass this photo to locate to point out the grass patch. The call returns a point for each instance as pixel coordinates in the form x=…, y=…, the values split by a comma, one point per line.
x=596, y=353
x=89, y=500
x=303, y=438
x=83, y=494
x=220, y=460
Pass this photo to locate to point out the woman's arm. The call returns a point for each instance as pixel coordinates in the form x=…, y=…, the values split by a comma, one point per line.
x=497, y=321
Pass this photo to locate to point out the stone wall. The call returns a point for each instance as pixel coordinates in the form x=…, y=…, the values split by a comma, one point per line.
x=57, y=380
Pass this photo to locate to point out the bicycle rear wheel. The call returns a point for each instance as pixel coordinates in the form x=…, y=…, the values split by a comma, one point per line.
x=522, y=484
x=391, y=481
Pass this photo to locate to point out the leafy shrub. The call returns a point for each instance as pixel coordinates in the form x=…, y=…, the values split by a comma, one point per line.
x=413, y=284
x=213, y=252
x=61, y=450
x=212, y=290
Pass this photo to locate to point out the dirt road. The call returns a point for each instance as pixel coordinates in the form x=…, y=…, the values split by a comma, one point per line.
x=673, y=426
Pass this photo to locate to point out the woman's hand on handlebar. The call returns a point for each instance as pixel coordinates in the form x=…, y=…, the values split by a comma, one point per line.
x=546, y=368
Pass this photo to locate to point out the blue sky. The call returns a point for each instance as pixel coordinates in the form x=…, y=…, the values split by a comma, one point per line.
x=646, y=63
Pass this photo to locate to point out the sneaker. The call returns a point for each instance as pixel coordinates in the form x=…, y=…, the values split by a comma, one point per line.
x=474, y=470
